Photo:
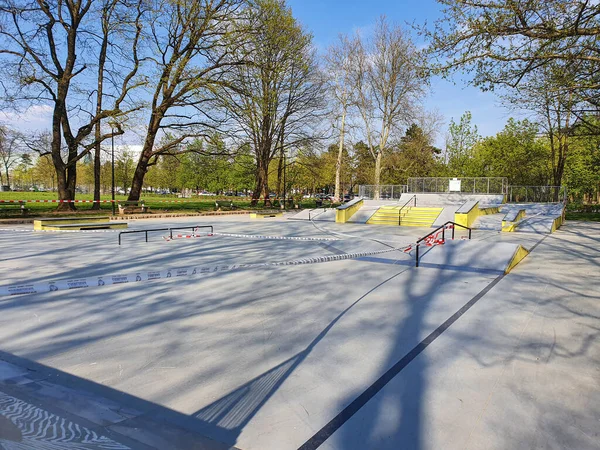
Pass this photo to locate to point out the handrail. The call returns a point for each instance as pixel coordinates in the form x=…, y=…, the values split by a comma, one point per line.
x=414, y=197
x=170, y=230
x=443, y=228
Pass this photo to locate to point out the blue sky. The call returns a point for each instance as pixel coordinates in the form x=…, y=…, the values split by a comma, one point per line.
x=326, y=19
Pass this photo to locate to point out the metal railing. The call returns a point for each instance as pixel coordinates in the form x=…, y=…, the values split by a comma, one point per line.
x=170, y=230
x=413, y=198
x=537, y=194
x=434, y=232
x=467, y=185
x=386, y=191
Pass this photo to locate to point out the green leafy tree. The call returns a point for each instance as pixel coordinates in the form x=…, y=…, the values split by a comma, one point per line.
x=516, y=152
x=461, y=140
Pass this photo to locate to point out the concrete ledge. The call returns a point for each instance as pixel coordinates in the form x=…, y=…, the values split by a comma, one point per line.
x=512, y=219
x=264, y=215
x=344, y=212
x=558, y=222
x=87, y=226
x=40, y=224
x=467, y=213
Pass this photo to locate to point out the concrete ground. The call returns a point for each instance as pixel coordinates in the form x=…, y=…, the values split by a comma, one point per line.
x=369, y=353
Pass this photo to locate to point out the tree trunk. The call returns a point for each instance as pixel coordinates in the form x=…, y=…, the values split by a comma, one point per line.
x=280, y=174
x=262, y=181
x=138, y=179
x=376, y=195
x=66, y=182
x=97, y=167
x=142, y=166
x=338, y=165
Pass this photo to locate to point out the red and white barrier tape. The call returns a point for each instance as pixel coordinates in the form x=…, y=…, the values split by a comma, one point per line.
x=22, y=230
x=246, y=199
x=58, y=201
x=89, y=282
x=249, y=236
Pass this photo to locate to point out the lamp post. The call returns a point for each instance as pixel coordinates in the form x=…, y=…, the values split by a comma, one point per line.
x=112, y=139
x=284, y=181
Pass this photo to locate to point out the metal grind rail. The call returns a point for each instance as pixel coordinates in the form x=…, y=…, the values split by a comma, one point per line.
x=431, y=238
x=170, y=230
x=413, y=198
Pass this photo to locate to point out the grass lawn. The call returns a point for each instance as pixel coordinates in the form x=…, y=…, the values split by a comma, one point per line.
x=156, y=203
x=589, y=216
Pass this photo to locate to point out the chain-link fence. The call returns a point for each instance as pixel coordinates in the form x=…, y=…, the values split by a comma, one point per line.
x=386, y=191
x=537, y=194
x=467, y=185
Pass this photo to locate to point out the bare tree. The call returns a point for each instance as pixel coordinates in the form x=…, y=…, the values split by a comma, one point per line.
x=116, y=25
x=339, y=70
x=390, y=81
x=279, y=97
x=193, y=43
x=9, y=149
x=48, y=48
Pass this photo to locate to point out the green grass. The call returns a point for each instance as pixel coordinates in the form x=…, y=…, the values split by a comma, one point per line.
x=586, y=216
x=153, y=201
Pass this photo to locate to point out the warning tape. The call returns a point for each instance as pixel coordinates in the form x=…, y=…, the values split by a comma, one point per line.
x=58, y=201
x=82, y=283
x=248, y=236
x=21, y=230
x=226, y=199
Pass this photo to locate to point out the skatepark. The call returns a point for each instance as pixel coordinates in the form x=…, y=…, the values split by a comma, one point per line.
x=303, y=332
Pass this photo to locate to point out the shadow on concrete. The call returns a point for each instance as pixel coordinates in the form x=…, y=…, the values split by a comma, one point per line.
x=45, y=408
x=231, y=413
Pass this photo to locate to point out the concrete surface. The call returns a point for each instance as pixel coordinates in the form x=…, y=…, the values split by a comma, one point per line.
x=446, y=215
x=266, y=359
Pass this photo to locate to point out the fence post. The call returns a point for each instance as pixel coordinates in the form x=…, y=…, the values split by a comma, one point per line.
x=417, y=260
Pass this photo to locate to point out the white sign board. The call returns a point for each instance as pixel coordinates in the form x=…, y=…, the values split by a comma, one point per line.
x=454, y=185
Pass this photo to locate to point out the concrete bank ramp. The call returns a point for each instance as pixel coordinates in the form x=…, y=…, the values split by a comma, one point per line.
x=363, y=214
x=454, y=198
x=446, y=215
x=473, y=256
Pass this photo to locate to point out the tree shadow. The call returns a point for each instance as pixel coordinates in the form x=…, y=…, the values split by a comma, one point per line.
x=231, y=413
